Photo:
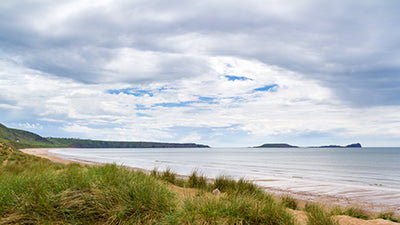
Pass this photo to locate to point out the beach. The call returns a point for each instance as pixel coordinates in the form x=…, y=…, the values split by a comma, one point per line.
x=44, y=153
x=302, y=191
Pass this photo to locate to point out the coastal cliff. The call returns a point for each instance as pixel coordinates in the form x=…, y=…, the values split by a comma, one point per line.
x=26, y=139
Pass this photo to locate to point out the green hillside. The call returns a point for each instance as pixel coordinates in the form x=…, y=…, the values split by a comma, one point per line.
x=82, y=143
x=26, y=139
x=21, y=138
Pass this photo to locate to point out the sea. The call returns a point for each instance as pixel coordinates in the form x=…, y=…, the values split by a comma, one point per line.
x=367, y=177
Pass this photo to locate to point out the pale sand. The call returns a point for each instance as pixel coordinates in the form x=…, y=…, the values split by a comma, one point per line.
x=44, y=153
x=303, y=197
x=57, y=158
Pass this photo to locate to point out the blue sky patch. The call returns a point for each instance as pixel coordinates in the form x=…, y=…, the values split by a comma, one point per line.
x=143, y=115
x=131, y=91
x=233, y=78
x=208, y=100
x=175, y=104
x=271, y=88
x=141, y=107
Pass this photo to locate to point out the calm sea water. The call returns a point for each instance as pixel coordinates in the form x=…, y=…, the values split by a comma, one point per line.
x=369, y=175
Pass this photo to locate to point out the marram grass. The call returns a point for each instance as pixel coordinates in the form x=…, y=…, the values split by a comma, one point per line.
x=289, y=202
x=316, y=215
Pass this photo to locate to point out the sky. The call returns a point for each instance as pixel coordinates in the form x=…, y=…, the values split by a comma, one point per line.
x=223, y=73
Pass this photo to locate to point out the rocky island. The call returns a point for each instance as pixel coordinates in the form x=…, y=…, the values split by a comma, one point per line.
x=284, y=145
x=276, y=145
x=355, y=145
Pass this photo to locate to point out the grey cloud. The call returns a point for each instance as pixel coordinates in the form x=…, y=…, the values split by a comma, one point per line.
x=347, y=46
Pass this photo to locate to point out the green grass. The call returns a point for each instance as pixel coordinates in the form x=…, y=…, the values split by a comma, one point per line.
x=388, y=216
x=231, y=209
x=316, y=215
x=357, y=212
x=352, y=211
x=240, y=187
x=198, y=181
x=289, y=202
x=37, y=191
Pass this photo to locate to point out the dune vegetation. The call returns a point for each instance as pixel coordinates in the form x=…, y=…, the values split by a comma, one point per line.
x=37, y=191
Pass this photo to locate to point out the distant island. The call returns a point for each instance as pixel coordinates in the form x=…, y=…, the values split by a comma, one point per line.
x=26, y=139
x=355, y=145
x=284, y=145
x=276, y=145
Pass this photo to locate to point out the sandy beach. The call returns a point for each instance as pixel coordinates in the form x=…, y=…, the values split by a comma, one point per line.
x=303, y=197
x=57, y=158
x=44, y=153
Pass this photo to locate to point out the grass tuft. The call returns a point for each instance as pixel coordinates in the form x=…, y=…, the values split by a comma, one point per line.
x=197, y=181
x=289, y=202
x=316, y=215
x=242, y=186
x=169, y=176
x=388, y=216
x=231, y=209
x=352, y=211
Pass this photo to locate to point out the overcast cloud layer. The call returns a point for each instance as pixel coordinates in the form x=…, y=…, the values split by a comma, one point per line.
x=224, y=73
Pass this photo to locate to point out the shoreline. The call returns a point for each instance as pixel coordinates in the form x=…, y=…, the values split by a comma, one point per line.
x=58, y=158
x=44, y=153
x=302, y=196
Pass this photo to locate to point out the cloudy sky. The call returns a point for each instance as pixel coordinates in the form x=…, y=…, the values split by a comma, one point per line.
x=223, y=73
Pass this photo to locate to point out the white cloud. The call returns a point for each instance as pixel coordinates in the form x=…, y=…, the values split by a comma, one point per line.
x=298, y=106
x=34, y=126
x=193, y=137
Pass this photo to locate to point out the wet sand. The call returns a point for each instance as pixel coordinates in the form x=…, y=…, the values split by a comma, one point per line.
x=367, y=198
x=303, y=196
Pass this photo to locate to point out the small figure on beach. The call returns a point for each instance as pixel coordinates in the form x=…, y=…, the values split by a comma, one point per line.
x=216, y=191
